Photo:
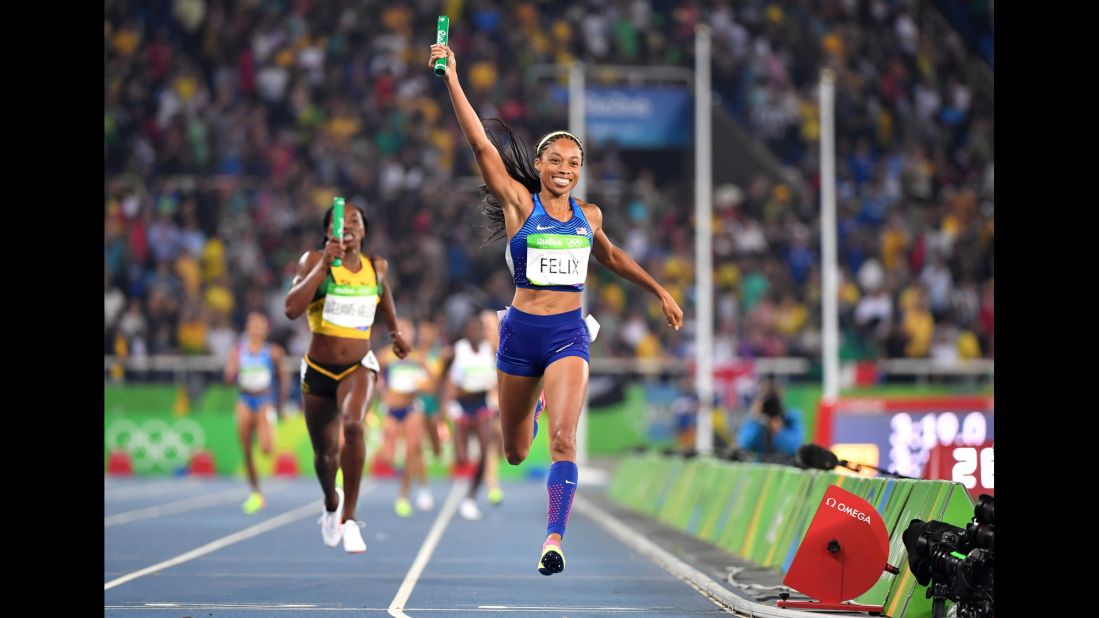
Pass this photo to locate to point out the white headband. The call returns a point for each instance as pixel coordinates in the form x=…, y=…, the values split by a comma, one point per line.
x=558, y=134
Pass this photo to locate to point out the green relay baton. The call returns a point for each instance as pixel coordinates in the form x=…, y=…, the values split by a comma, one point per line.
x=337, y=224
x=442, y=34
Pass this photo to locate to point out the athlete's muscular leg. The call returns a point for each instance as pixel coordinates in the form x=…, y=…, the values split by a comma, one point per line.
x=354, y=395
x=388, y=449
x=413, y=453
x=263, y=429
x=566, y=387
x=461, y=440
x=323, y=421
x=518, y=394
x=245, y=428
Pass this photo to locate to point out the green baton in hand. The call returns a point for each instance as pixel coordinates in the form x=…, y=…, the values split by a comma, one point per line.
x=442, y=33
x=337, y=224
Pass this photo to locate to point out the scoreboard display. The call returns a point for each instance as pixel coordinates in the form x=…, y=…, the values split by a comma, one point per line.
x=905, y=433
x=972, y=466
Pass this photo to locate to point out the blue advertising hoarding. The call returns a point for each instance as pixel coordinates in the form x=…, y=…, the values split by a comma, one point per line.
x=633, y=117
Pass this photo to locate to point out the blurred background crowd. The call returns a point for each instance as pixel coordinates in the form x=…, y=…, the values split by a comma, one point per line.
x=229, y=126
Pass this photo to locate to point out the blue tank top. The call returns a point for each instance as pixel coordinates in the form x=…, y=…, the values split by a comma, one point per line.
x=257, y=370
x=547, y=254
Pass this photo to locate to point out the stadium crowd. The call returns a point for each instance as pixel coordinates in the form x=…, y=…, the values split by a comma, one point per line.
x=229, y=126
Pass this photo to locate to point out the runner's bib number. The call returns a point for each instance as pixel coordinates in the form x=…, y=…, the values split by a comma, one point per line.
x=476, y=379
x=255, y=379
x=405, y=378
x=557, y=259
x=350, y=306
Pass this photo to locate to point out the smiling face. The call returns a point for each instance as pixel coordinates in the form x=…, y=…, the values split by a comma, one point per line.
x=558, y=165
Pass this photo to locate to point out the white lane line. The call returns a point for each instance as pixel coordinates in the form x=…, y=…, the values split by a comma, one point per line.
x=249, y=532
x=113, y=493
x=396, y=607
x=182, y=506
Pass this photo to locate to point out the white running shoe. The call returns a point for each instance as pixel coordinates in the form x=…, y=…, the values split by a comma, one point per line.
x=424, y=501
x=352, y=539
x=330, y=522
x=469, y=509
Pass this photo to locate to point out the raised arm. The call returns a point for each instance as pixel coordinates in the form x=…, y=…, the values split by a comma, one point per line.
x=511, y=193
x=620, y=263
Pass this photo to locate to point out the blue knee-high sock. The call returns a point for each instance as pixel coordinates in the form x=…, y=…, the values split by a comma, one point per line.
x=561, y=487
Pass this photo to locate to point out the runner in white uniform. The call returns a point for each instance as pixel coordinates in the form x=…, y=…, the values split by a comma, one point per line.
x=470, y=369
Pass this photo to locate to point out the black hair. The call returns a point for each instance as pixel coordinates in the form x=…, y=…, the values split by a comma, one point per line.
x=772, y=405
x=519, y=165
x=328, y=221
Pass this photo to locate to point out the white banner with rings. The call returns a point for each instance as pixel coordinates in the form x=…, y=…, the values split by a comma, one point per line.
x=156, y=442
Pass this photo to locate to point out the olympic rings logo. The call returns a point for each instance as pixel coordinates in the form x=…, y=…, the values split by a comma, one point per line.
x=156, y=443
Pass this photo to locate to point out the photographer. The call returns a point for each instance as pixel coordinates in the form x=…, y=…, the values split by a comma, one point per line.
x=769, y=429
